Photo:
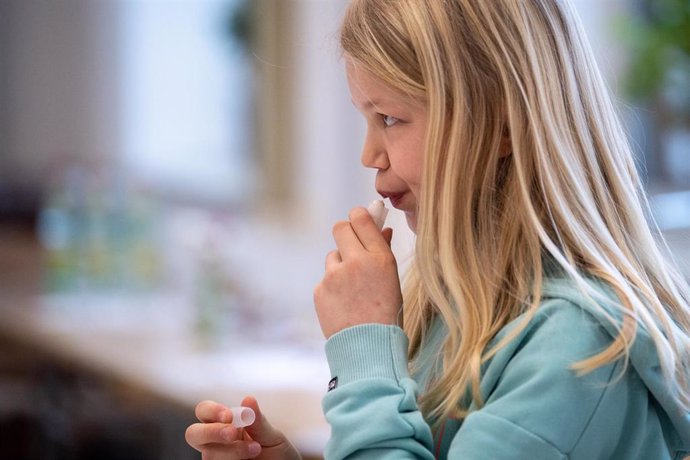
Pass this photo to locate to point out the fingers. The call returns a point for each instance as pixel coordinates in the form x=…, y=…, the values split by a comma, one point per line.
x=346, y=239
x=332, y=258
x=366, y=230
x=221, y=441
x=211, y=411
x=202, y=434
x=387, y=235
x=217, y=439
x=235, y=451
x=261, y=430
x=360, y=232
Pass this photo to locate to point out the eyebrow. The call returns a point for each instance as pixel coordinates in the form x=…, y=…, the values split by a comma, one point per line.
x=371, y=103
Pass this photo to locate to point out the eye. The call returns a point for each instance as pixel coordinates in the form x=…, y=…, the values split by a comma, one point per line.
x=388, y=121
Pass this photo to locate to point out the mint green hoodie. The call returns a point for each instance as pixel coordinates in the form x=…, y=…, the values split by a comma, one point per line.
x=535, y=407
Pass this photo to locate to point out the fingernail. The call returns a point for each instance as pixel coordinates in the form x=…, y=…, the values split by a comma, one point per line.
x=227, y=433
x=254, y=449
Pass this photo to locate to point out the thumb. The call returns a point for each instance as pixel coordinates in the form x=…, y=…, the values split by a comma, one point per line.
x=387, y=235
x=261, y=430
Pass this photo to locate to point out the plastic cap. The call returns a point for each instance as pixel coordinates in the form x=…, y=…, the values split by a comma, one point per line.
x=378, y=212
x=242, y=416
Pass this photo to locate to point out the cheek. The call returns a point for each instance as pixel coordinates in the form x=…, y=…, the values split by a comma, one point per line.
x=413, y=170
x=415, y=158
x=406, y=170
x=406, y=159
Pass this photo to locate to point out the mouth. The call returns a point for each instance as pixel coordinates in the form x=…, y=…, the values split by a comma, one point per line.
x=395, y=198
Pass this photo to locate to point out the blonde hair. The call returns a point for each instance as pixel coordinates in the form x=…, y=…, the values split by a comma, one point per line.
x=569, y=190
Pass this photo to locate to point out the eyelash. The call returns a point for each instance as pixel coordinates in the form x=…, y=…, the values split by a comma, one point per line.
x=388, y=121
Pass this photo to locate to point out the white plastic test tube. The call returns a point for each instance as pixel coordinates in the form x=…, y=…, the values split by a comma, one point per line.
x=378, y=211
x=242, y=416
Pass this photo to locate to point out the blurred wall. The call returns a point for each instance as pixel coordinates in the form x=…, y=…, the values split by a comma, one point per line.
x=598, y=18
x=329, y=131
x=61, y=89
x=187, y=100
x=4, y=23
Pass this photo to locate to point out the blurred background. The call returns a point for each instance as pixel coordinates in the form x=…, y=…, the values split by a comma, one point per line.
x=169, y=174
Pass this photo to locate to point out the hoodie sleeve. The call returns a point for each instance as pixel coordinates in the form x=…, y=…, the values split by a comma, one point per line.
x=372, y=402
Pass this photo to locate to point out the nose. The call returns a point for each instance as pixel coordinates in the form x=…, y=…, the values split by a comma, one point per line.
x=374, y=153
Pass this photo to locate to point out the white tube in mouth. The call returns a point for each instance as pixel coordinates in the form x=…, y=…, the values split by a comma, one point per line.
x=378, y=211
x=242, y=416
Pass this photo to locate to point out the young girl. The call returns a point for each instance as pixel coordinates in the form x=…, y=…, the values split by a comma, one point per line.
x=539, y=318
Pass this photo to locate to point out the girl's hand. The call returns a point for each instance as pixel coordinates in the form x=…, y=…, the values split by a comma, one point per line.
x=361, y=283
x=217, y=439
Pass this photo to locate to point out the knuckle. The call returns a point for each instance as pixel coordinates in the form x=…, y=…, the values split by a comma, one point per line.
x=230, y=434
x=339, y=226
x=355, y=264
x=317, y=294
x=359, y=216
x=237, y=450
x=387, y=258
x=383, y=258
x=331, y=258
x=330, y=277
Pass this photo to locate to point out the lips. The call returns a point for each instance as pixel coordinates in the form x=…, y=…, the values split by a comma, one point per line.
x=396, y=198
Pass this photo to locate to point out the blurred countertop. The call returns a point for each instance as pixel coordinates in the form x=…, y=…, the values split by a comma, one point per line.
x=145, y=343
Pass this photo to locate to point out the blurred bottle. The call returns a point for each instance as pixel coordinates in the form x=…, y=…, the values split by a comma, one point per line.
x=97, y=235
x=219, y=318
x=59, y=229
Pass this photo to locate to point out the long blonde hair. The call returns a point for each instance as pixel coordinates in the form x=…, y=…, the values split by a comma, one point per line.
x=569, y=190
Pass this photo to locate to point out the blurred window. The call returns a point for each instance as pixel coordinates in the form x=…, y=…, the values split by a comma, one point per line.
x=187, y=98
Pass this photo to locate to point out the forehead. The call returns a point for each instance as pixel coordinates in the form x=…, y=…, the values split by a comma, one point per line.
x=368, y=90
x=363, y=84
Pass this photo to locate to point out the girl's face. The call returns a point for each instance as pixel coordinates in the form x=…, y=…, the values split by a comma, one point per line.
x=394, y=143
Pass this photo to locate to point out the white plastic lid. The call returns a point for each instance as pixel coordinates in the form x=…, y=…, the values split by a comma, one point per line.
x=242, y=416
x=378, y=211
